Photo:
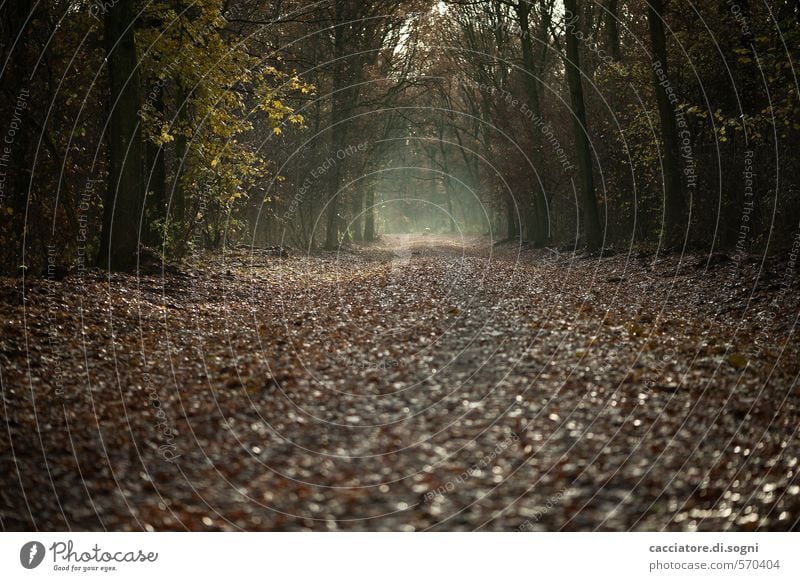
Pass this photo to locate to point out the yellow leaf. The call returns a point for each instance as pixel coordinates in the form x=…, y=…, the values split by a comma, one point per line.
x=737, y=361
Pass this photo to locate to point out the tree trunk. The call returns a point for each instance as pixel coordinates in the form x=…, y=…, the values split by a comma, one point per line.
x=357, y=218
x=446, y=183
x=535, y=212
x=338, y=128
x=333, y=180
x=123, y=201
x=448, y=192
x=673, y=230
x=612, y=29
x=15, y=25
x=512, y=227
x=369, y=216
x=333, y=176
x=591, y=221
x=156, y=184
x=178, y=202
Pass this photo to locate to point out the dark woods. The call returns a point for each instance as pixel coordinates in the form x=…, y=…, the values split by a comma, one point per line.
x=184, y=126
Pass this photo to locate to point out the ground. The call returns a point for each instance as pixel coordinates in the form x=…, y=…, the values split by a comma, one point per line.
x=423, y=383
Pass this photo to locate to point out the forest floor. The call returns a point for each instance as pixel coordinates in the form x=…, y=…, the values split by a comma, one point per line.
x=421, y=383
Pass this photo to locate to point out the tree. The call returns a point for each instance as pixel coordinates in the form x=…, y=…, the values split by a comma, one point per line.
x=17, y=21
x=125, y=189
x=572, y=63
x=674, y=225
x=212, y=102
x=534, y=69
x=611, y=19
x=359, y=31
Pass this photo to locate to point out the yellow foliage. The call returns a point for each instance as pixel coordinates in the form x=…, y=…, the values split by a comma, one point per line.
x=200, y=69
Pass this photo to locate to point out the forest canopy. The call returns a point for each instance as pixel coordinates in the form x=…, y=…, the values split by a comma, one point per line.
x=182, y=126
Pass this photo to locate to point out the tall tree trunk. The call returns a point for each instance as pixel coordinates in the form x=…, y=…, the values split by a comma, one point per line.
x=156, y=184
x=512, y=226
x=674, y=226
x=535, y=208
x=446, y=182
x=333, y=181
x=124, y=196
x=178, y=202
x=448, y=189
x=15, y=25
x=369, y=215
x=612, y=29
x=338, y=126
x=357, y=218
x=591, y=221
x=338, y=131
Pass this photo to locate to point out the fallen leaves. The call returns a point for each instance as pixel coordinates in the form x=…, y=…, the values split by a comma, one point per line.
x=336, y=391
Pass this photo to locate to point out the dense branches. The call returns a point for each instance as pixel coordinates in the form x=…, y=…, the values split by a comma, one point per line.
x=185, y=125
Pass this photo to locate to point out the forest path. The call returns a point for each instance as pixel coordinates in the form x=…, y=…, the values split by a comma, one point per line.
x=428, y=382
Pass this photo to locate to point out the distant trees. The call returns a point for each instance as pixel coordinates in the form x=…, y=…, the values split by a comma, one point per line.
x=359, y=33
x=666, y=128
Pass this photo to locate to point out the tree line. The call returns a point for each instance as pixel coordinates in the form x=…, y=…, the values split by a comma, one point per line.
x=186, y=125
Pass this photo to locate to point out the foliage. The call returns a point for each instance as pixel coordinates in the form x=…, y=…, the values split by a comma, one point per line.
x=218, y=91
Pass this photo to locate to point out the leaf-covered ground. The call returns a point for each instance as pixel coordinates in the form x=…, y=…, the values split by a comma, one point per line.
x=426, y=383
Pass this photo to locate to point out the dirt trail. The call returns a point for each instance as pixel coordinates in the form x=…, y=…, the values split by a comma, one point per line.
x=426, y=383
